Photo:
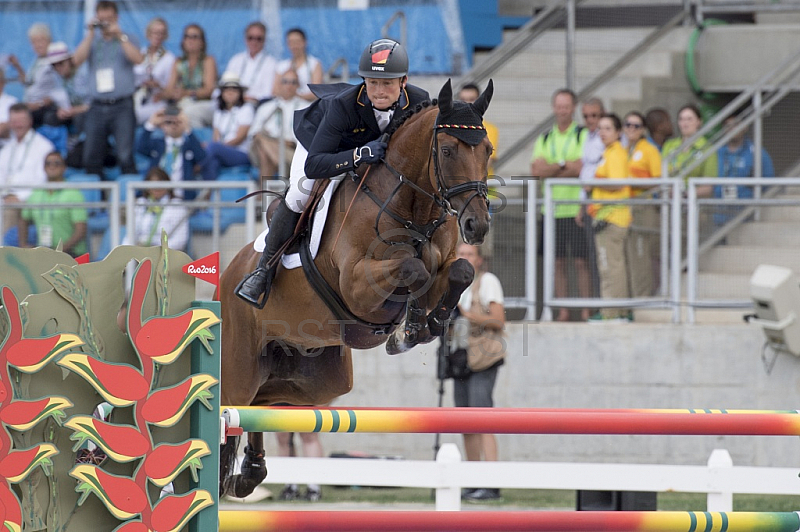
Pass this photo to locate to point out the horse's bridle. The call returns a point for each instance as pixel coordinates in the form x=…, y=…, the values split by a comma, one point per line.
x=441, y=198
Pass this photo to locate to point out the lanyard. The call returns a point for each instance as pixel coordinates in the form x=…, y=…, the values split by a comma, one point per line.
x=158, y=211
x=223, y=134
x=255, y=71
x=24, y=155
x=564, y=148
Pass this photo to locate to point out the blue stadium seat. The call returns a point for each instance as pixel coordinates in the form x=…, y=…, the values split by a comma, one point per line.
x=203, y=134
x=11, y=238
x=98, y=218
x=203, y=220
x=105, y=244
x=123, y=180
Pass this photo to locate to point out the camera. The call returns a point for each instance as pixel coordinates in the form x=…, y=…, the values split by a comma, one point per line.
x=99, y=24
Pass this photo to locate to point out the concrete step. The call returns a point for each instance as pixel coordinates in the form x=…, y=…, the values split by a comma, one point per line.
x=745, y=259
x=702, y=316
x=766, y=234
x=781, y=214
x=716, y=285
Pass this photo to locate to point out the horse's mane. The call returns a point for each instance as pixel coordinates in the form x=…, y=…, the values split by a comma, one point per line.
x=408, y=114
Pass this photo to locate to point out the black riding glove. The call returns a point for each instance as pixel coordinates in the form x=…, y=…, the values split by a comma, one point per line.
x=369, y=153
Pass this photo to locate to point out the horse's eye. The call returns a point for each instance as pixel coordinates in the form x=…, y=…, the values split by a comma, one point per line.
x=446, y=151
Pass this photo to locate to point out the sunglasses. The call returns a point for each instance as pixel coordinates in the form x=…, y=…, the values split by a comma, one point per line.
x=192, y=36
x=258, y=38
x=592, y=115
x=53, y=163
x=289, y=81
x=171, y=122
x=634, y=126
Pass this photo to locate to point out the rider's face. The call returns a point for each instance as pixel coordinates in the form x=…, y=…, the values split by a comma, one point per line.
x=383, y=92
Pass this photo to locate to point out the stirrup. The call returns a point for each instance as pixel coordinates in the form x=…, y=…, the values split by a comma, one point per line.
x=255, y=295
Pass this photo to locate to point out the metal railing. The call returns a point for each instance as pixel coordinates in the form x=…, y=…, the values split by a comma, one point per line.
x=401, y=17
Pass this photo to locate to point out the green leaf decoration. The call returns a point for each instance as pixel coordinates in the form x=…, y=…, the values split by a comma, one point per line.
x=67, y=281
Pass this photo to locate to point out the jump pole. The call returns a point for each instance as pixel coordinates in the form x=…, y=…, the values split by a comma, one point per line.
x=515, y=421
x=252, y=521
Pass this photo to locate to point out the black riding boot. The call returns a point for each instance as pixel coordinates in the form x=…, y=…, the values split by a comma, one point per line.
x=259, y=281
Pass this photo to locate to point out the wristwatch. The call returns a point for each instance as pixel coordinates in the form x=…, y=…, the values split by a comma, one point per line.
x=123, y=38
x=562, y=164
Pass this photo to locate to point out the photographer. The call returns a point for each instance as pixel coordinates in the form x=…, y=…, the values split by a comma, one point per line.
x=111, y=55
x=477, y=351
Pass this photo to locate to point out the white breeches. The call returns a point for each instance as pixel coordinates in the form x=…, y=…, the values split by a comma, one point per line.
x=299, y=185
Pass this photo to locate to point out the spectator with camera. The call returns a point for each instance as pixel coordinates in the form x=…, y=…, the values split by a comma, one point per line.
x=152, y=74
x=111, y=55
x=477, y=351
x=177, y=152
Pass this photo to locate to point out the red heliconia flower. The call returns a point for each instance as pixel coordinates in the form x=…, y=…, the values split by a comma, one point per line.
x=119, y=384
x=166, y=406
x=121, y=495
x=10, y=510
x=17, y=465
x=122, y=443
x=167, y=460
x=173, y=511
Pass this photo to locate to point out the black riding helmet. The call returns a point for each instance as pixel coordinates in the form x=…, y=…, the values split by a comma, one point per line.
x=383, y=59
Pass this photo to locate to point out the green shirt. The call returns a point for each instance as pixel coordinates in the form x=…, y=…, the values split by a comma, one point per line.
x=555, y=147
x=56, y=224
x=708, y=168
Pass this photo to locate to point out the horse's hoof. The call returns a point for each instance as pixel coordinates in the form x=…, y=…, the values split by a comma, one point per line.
x=439, y=321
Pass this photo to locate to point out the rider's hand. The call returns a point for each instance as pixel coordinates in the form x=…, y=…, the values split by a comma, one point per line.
x=369, y=153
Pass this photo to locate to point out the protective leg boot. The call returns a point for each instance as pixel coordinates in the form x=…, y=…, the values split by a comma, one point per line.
x=255, y=287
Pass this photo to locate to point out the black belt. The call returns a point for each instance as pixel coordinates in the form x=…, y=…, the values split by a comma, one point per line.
x=109, y=101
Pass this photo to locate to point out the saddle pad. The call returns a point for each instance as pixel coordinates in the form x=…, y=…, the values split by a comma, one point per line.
x=293, y=260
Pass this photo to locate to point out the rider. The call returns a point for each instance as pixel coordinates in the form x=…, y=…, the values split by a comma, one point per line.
x=337, y=133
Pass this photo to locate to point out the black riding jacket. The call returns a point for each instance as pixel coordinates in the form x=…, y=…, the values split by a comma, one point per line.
x=340, y=121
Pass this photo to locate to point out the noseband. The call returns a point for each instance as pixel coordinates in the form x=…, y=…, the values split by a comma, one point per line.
x=423, y=233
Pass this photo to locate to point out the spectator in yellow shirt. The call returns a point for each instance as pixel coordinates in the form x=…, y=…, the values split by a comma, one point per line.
x=611, y=222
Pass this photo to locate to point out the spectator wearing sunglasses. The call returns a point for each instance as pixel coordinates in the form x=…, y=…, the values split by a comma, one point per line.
x=177, y=152
x=194, y=78
x=643, y=244
x=254, y=67
x=307, y=67
x=273, y=123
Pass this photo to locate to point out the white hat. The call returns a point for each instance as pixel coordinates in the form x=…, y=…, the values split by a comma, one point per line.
x=230, y=79
x=57, y=52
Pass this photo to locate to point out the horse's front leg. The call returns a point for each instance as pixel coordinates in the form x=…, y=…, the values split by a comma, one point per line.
x=459, y=276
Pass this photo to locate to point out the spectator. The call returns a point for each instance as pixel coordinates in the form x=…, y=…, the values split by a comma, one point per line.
x=177, y=152
x=737, y=159
x=312, y=448
x=273, y=124
x=558, y=153
x=659, y=127
x=475, y=390
x=611, y=222
x=232, y=121
x=159, y=210
x=469, y=93
x=111, y=55
x=255, y=67
x=41, y=80
x=74, y=85
x=308, y=67
x=54, y=225
x=690, y=120
x=21, y=161
x=643, y=247
x=152, y=74
x=193, y=78
x=6, y=101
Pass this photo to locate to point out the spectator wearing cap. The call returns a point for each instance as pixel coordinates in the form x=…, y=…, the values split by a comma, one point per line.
x=73, y=100
x=177, y=152
x=232, y=121
x=152, y=74
x=6, y=101
x=255, y=67
x=193, y=78
x=110, y=55
x=307, y=67
x=40, y=80
x=21, y=161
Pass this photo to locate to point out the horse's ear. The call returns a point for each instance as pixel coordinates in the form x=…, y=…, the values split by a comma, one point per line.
x=482, y=103
x=446, y=98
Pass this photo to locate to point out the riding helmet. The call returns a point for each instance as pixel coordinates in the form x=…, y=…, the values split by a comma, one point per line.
x=383, y=59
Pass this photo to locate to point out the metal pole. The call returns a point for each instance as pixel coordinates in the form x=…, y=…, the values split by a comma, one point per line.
x=549, y=253
x=114, y=216
x=663, y=262
x=675, y=253
x=758, y=140
x=281, y=146
x=691, y=250
x=570, y=44
x=531, y=249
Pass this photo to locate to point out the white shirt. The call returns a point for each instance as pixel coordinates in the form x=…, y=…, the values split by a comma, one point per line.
x=6, y=101
x=22, y=163
x=176, y=172
x=303, y=72
x=256, y=73
x=229, y=122
x=173, y=219
x=593, y=149
x=159, y=67
x=268, y=120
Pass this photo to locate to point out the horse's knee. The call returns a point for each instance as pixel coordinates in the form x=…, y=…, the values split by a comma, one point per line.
x=461, y=275
x=413, y=273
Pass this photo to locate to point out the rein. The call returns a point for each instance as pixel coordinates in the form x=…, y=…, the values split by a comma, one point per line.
x=441, y=198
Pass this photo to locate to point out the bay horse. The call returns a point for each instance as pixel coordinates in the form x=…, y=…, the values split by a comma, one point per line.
x=388, y=257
